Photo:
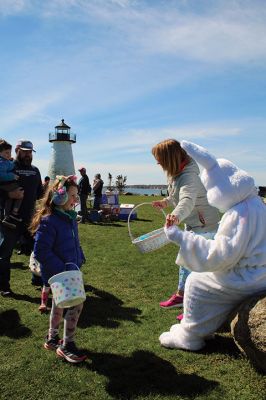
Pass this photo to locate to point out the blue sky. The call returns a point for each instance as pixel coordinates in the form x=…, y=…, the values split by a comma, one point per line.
x=126, y=74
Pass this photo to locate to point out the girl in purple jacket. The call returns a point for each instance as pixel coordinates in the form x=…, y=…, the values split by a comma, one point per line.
x=57, y=249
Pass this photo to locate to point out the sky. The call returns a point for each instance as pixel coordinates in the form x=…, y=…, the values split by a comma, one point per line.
x=127, y=74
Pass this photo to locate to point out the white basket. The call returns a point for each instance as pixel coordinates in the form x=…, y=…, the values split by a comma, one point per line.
x=150, y=241
x=67, y=288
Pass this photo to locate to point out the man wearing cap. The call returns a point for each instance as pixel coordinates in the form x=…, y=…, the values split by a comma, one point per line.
x=84, y=191
x=30, y=181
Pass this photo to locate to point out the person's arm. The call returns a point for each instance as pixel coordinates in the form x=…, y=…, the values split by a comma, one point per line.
x=43, y=249
x=86, y=184
x=40, y=189
x=159, y=204
x=225, y=250
x=80, y=185
x=96, y=184
x=186, y=193
x=5, y=173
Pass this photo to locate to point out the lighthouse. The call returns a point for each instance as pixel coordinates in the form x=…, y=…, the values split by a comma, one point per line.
x=61, y=161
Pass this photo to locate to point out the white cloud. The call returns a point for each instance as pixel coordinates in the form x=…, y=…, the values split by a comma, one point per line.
x=29, y=108
x=11, y=7
x=218, y=32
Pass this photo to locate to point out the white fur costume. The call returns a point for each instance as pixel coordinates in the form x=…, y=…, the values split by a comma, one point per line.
x=228, y=268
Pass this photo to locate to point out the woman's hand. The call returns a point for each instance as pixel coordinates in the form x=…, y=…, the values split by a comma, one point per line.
x=159, y=204
x=171, y=220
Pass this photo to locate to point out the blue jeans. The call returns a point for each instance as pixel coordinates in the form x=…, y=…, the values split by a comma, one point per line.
x=97, y=202
x=183, y=274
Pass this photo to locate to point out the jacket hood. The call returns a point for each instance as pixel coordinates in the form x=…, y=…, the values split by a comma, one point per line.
x=226, y=184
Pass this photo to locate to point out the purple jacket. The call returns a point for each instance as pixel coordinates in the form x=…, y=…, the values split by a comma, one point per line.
x=57, y=243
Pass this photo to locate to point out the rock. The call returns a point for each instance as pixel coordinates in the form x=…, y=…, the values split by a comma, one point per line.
x=248, y=328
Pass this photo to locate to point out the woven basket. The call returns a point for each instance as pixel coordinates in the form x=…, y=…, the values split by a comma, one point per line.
x=150, y=241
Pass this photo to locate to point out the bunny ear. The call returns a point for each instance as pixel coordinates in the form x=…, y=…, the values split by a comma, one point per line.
x=199, y=154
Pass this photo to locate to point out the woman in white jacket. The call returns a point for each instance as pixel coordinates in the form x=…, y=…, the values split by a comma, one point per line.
x=188, y=197
x=228, y=268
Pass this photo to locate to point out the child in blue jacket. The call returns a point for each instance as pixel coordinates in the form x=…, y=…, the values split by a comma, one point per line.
x=9, y=185
x=57, y=249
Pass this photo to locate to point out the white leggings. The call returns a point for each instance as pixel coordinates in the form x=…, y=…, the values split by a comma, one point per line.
x=71, y=317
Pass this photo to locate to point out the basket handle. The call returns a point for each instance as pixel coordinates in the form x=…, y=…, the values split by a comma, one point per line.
x=72, y=264
x=133, y=209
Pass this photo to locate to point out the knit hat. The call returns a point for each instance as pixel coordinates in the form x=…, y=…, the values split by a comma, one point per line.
x=225, y=183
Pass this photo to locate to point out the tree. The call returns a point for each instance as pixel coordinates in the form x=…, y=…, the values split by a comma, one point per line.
x=110, y=179
x=120, y=183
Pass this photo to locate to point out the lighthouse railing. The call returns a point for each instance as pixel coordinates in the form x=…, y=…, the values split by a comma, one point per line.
x=59, y=136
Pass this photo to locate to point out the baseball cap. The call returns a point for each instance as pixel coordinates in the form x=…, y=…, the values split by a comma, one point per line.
x=82, y=169
x=24, y=145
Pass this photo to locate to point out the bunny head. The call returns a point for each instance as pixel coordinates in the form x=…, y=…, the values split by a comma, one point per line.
x=225, y=183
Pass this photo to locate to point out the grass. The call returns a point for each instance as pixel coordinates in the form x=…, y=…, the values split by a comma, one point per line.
x=119, y=326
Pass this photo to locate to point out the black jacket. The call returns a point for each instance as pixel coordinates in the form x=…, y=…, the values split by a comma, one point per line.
x=30, y=181
x=84, y=185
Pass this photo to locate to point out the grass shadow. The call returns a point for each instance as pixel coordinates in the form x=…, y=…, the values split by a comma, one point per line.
x=19, y=265
x=25, y=297
x=111, y=223
x=11, y=326
x=143, y=220
x=143, y=373
x=221, y=345
x=104, y=309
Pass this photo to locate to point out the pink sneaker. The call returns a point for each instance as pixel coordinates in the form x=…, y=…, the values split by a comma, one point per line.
x=174, y=301
x=180, y=317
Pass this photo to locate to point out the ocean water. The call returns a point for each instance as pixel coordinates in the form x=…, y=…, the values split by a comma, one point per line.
x=146, y=191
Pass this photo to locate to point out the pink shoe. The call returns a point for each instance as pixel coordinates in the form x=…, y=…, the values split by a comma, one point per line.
x=180, y=317
x=174, y=301
x=43, y=308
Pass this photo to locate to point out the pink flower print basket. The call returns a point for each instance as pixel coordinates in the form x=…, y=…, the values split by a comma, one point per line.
x=68, y=288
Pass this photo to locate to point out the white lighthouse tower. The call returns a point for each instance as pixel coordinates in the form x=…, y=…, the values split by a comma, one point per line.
x=61, y=161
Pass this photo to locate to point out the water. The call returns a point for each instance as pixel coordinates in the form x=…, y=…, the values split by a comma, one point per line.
x=145, y=191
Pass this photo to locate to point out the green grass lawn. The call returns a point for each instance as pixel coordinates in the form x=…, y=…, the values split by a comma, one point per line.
x=119, y=326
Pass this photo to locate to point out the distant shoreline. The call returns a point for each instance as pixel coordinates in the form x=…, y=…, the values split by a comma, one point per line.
x=146, y=186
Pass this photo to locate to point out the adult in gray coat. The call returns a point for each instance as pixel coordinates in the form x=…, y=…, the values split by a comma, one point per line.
x=188, y=197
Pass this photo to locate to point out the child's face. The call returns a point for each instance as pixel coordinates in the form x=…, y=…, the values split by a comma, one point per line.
x=72, y=198
x=6, y=154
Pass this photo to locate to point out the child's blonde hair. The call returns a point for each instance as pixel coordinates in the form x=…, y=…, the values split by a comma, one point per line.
x=170, y=156
x=46, y=205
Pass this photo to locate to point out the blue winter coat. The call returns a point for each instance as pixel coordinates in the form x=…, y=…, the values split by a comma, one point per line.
x=6, y=170
x=57, y=243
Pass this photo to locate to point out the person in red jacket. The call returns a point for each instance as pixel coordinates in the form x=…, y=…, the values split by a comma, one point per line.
x=57, y=248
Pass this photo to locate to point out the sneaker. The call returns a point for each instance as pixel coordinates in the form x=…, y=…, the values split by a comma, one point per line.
x=8, y=222
x=70, y=353
x=180, y=317
x=53, y=343
x=43, y=308
x=6, y=293
x=15, y=217
x=174, y=301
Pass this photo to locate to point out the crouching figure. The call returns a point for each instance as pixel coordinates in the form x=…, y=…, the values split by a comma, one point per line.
x=228, y=268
